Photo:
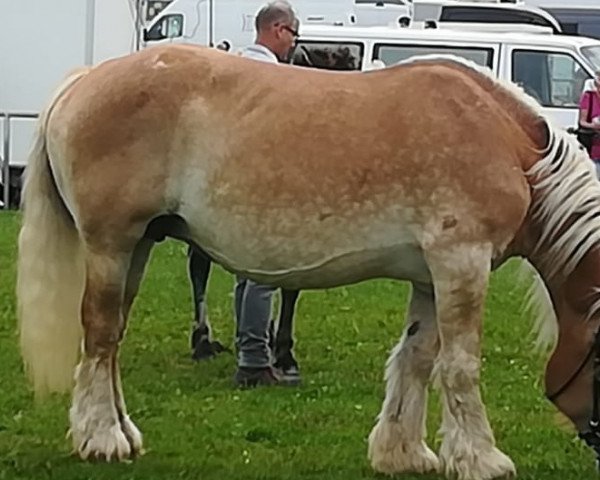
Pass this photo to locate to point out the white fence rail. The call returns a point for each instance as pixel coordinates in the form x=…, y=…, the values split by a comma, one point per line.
x=5, y=157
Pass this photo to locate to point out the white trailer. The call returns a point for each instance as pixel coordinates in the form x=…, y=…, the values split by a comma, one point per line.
x=40, y=42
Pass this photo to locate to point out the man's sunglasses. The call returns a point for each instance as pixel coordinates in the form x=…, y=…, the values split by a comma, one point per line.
x=295, y=33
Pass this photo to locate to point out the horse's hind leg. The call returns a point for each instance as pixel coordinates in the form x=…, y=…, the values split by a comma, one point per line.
x=460, y=274
x=397, y=442
x=199, y=266
x=137, y=266
x=283, y=344
x=134, y=278
x=100, y=427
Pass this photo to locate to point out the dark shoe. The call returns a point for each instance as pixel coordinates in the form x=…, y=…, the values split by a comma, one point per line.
x=248, y=377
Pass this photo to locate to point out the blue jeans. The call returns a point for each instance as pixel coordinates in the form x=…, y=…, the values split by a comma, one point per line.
x=253, y=315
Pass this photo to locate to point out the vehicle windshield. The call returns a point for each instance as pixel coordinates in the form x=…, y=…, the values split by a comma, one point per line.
x=592, y=55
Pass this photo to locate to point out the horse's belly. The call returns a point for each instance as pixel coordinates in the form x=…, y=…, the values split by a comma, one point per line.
x=301, y=255
x=403, y=262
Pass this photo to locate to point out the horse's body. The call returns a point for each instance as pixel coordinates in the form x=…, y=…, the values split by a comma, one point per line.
x=179, y=106
x=303, y=179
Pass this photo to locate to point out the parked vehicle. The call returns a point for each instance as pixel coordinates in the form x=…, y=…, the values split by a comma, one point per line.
x=483, y=12
x=578, y=20
x=212, y=22
x=550, y=68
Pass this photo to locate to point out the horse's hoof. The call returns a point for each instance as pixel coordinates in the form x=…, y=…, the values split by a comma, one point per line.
x=392, y=454
x=474, y=463
x=107, y=445
x=134, y=436
x=206, y=350
x=287, y=368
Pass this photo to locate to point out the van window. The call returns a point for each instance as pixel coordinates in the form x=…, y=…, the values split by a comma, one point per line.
x=492, y=15
x=570, y=28
x=328, y=55
x=169, y=26
x=391, y=54
x=154, y=7
x=553, y=79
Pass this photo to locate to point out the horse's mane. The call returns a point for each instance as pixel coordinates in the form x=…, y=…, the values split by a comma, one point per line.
x=565, y=205
x=538, y=305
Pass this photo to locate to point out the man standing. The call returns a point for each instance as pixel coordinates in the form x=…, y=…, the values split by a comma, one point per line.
x=276, y=27
x=276, y=34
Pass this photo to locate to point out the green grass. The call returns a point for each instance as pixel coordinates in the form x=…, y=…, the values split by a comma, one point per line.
x=197, y=426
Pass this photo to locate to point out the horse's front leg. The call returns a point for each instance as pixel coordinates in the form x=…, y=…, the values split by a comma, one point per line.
x=100, y=428
x=460, y=274
x=397, y=442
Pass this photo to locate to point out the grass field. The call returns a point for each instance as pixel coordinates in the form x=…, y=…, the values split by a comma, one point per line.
x=197, y=426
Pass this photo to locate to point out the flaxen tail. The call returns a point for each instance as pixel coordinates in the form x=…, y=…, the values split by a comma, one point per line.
x=50, y=274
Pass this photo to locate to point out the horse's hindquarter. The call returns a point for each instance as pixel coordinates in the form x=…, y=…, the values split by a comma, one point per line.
x=303, y=177
x=111, y=140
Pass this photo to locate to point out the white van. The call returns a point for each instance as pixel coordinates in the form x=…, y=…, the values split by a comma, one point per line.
x=447, y=11
x=551, y=68
x=210, y=22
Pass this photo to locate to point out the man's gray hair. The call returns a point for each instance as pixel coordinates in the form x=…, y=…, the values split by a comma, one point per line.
x=279, y=11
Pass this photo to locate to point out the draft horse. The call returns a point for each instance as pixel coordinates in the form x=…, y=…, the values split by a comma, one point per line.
x=442, y=174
